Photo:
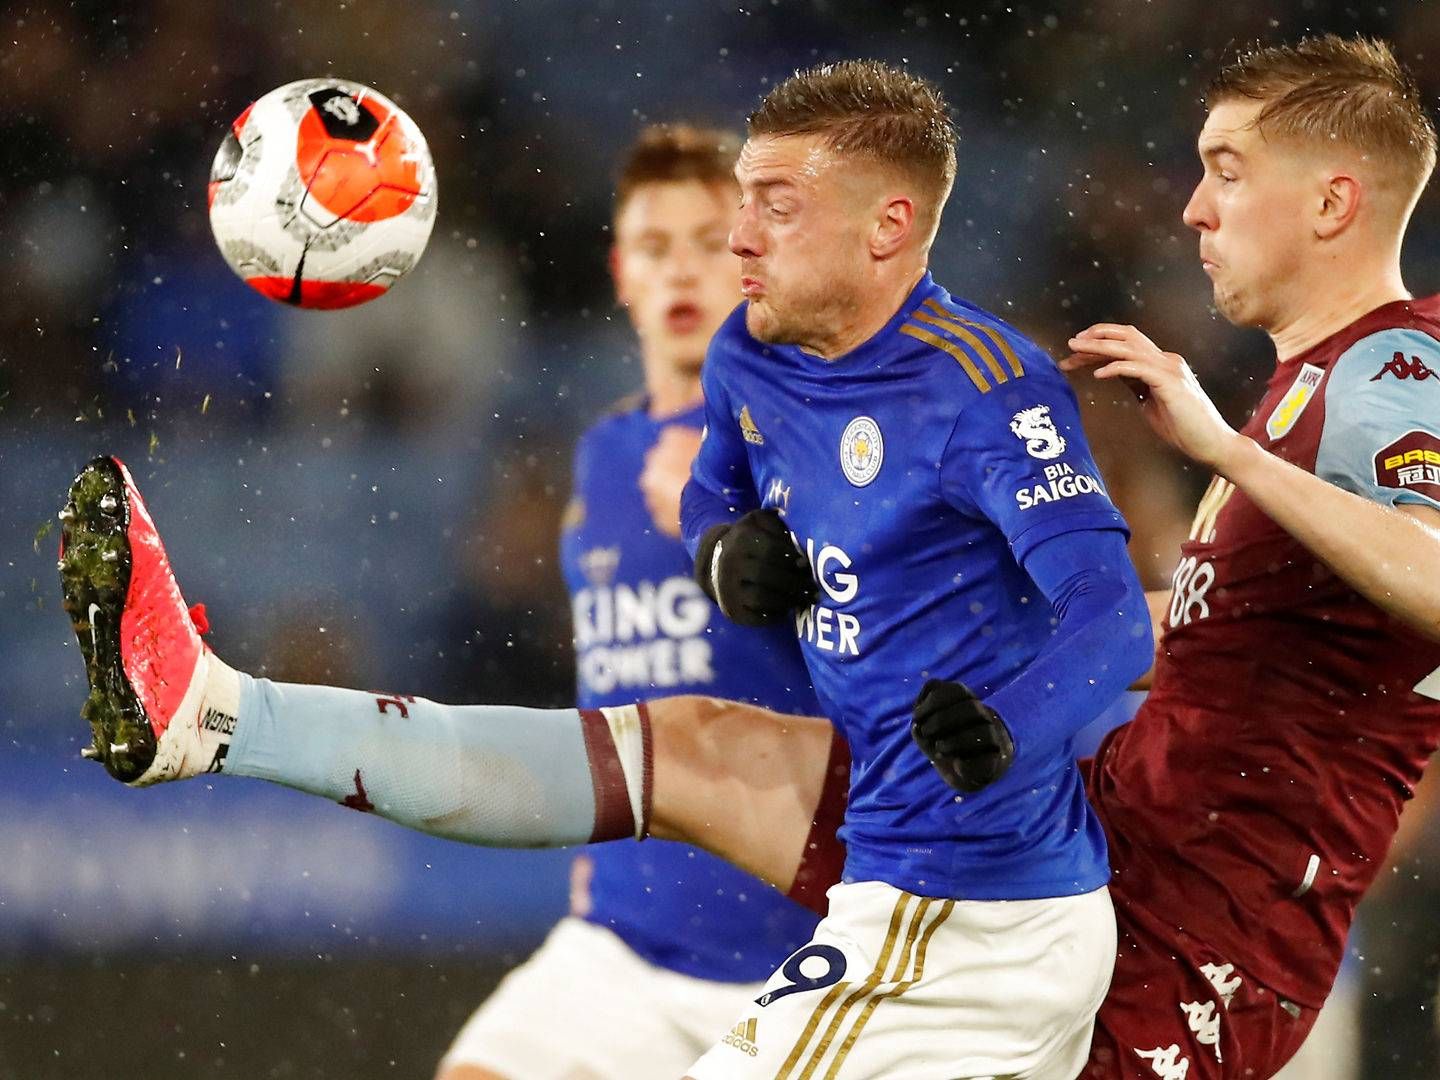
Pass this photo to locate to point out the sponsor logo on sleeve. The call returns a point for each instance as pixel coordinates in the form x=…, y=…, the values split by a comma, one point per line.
x=1403, y=368
x=1411, y=463
x=1034, y=427
x=1061, y=482
x=1283, y=418
x=862, y=451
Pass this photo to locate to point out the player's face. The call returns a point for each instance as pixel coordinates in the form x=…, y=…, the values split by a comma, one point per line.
x=673, y=270
x=1250, y=211
x=801, y=236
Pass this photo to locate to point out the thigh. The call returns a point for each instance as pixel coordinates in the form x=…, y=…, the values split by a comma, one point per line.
x=585, y=1006
x=909, y=988
x=739, y=781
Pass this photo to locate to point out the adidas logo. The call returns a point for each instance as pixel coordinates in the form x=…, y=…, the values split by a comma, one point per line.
x=748, y=428
x=742, y=1035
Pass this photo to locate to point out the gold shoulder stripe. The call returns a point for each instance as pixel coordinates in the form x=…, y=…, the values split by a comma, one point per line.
x=868, y=987
x=981, y=349
x=839, y=988
x=950, y=347
x=989, y=331
x=894, y=991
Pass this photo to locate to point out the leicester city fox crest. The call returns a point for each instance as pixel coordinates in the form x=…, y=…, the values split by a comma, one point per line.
x=862, y=450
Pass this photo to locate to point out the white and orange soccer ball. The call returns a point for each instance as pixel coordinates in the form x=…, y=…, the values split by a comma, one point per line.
x=322, y=194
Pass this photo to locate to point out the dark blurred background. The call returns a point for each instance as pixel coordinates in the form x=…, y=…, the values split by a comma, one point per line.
x=372, y=497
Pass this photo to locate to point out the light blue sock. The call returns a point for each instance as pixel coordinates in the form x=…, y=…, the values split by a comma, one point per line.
x=496, y=775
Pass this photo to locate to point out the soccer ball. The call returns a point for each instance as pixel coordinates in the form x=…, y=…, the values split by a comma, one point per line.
x=322, y=194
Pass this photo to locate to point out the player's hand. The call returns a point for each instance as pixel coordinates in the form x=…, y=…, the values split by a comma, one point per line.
x=964, y=738
x=1170, y=395
x=667, y=467
x=753, y=569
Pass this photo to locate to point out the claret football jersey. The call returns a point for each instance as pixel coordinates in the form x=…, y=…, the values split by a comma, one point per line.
x=1253, y=798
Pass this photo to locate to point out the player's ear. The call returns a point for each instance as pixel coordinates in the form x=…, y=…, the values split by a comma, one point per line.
x=893, y=226
x=1339, y=203
x=613, y=261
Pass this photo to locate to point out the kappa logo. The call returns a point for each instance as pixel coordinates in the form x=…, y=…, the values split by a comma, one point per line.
x=1037, y=431
x=748, y=429
x=862, y=451
x=1204, y=1022
x=1401, y=368
x=742, y=1037
x=1224, y=979
x=1293, y=403
x=1167, y=1062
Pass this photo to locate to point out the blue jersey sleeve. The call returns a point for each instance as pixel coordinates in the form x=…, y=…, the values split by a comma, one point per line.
x=1018, y=456
x=1381, y=437
x=720, y=487
x=1102, y=641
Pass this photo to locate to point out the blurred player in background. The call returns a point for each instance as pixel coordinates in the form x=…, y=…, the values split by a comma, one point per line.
x=1296, y=694
x=971, y=572
x=664, y=942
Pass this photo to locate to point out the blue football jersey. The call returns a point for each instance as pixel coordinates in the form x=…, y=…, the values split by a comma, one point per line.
x=644, y=629
x=916, y=472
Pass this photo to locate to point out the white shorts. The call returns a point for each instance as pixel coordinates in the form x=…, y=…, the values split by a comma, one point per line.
x=907, y=988
x=585, y=1006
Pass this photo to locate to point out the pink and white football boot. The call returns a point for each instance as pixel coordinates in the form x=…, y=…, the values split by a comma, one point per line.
x=161, y=705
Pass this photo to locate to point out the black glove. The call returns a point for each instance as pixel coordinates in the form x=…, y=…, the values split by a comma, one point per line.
x=753, y=569
x=964, y=738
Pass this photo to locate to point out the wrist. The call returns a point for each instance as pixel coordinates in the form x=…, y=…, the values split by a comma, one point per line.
x=705, y=557
x=1240, y=456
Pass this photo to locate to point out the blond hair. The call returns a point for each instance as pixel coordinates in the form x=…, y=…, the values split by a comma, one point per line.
x=1329, y=89
x=866, y=109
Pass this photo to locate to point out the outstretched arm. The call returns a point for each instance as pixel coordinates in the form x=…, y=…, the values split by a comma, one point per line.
x=1390, y=554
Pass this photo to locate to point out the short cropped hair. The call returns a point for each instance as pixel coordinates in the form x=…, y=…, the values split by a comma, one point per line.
x=1329, y=88
x=674, y=153
x=867, y=109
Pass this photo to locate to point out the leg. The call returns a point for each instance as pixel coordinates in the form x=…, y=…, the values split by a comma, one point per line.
x=746, y=784
x=738, y=780
x=587, y=1007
